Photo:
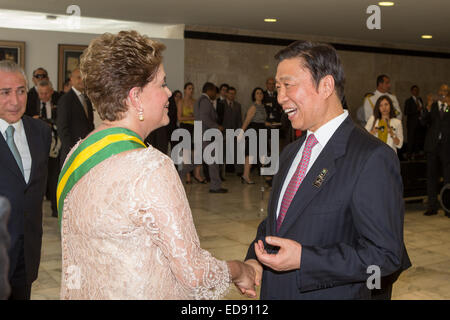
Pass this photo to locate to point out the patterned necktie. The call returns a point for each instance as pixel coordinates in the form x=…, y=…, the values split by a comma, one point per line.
x=12, y=146
x=296, y=179
x=43, y=111
x=441, y=110
x=84, y=103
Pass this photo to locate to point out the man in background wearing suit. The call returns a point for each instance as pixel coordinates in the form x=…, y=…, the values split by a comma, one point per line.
x=48, y=113
x=75, y=115
x=232, y=119
x=415, y=130
x=34, y=105
x=437, y=145
x=24, y=149
x=204, y=112
x=336, y=208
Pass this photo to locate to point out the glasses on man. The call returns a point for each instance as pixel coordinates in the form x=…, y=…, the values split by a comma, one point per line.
x=40, y=76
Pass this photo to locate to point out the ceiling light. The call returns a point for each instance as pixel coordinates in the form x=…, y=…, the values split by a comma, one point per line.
x=427, y=36
x=386, y=3
x=270, y=20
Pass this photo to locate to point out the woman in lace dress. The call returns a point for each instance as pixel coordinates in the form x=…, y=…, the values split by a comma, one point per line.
x=127, y=229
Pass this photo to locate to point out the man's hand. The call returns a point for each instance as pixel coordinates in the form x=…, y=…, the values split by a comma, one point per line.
x=288, y=256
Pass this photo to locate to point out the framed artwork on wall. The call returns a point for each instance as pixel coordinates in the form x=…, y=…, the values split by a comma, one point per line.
x=14, y=51
x=68, y=59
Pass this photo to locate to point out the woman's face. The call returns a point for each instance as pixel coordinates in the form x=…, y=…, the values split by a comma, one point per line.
x=385, y=109
x=177, y=97
x=155, y=101
x=189, y=91
x=259, y=96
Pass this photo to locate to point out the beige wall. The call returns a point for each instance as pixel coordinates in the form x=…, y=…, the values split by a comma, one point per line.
x=246, y=66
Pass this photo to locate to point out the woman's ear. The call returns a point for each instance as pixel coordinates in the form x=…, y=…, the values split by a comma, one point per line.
x=133, y=98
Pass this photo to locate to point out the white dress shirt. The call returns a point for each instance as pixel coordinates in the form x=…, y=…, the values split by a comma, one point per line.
x=323, y=135
x=48, y=109
x=20, y=139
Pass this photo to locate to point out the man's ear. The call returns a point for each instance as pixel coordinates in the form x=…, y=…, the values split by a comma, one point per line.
x=326, y=86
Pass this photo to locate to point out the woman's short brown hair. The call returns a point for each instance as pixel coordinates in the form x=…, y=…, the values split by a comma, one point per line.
x=113, y=64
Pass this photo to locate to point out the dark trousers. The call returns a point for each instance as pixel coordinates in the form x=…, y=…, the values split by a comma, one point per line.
x=20, y=289
x=436, y=160
x=20, y=292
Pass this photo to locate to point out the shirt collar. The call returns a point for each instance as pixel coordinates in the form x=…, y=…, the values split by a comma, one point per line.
x=76, y=91
x=325, y=132
x=18, y=126
x=204, y=94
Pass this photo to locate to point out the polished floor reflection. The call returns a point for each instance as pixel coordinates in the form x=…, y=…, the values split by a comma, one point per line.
x=226, y=224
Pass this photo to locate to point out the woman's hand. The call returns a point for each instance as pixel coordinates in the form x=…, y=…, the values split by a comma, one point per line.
x=243, y=276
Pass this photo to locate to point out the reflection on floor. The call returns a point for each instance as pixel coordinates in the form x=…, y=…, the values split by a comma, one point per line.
x=226, y=224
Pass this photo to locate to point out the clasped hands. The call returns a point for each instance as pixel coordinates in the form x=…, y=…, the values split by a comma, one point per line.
x=287, y=258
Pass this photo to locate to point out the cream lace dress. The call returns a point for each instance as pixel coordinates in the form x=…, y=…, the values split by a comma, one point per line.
x=128, y=233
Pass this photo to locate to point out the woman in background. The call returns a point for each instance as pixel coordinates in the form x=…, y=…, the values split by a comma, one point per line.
x=384, y=125
x=255, y=119
x=186, y=119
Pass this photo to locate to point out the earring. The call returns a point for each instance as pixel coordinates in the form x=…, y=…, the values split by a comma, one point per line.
x=141, y=115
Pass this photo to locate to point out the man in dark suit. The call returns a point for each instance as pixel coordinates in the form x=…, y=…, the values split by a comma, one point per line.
x=336, y=210
x=24, y=148
x=48, y=113
x=231, y=119
x=437, y=145
x=75, y=115
x=415, y=130
x=204, y=112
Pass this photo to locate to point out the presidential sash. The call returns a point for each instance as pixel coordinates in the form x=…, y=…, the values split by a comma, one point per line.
x=96, y=148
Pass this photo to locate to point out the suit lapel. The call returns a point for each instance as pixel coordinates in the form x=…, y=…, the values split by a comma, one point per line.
x=33, y=145
x=319, y=175
x=7, y=159
x=281, y=176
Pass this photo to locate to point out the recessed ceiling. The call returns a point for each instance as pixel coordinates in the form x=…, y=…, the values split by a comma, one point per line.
x=401, y=24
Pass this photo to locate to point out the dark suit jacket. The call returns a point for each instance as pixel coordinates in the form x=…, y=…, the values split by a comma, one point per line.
x=72, y=122
x=26, y=198
x=34, y=104
x=352, y=220
x=413, y=115
x=437, y=125
x=5, y=208
x=232, y=116
x=273, y=109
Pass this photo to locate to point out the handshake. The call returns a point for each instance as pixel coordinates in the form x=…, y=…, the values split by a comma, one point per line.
x=247, y=275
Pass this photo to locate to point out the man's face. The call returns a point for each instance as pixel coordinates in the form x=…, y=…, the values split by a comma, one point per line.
x=45, y=93
x=298, y=95
x=223, y=92
x=13, y=96
x=77, y=81
x=415, y=91
x=38, y=76
x=270, y=84
x=231, y=95
x=385, y=86
x=443, y=92
x=212, y=94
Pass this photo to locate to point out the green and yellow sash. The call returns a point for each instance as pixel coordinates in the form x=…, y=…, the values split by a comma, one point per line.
x=96, y=148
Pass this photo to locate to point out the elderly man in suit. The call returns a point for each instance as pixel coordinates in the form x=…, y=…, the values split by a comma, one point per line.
x=75, y=115
x=204, y=112
x=24, y=148
x=336, y=210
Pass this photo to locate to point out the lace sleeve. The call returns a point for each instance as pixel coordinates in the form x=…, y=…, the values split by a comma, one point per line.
x=162, y=208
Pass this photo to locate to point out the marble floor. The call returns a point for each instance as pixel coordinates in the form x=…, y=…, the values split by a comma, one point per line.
x=226, y=224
